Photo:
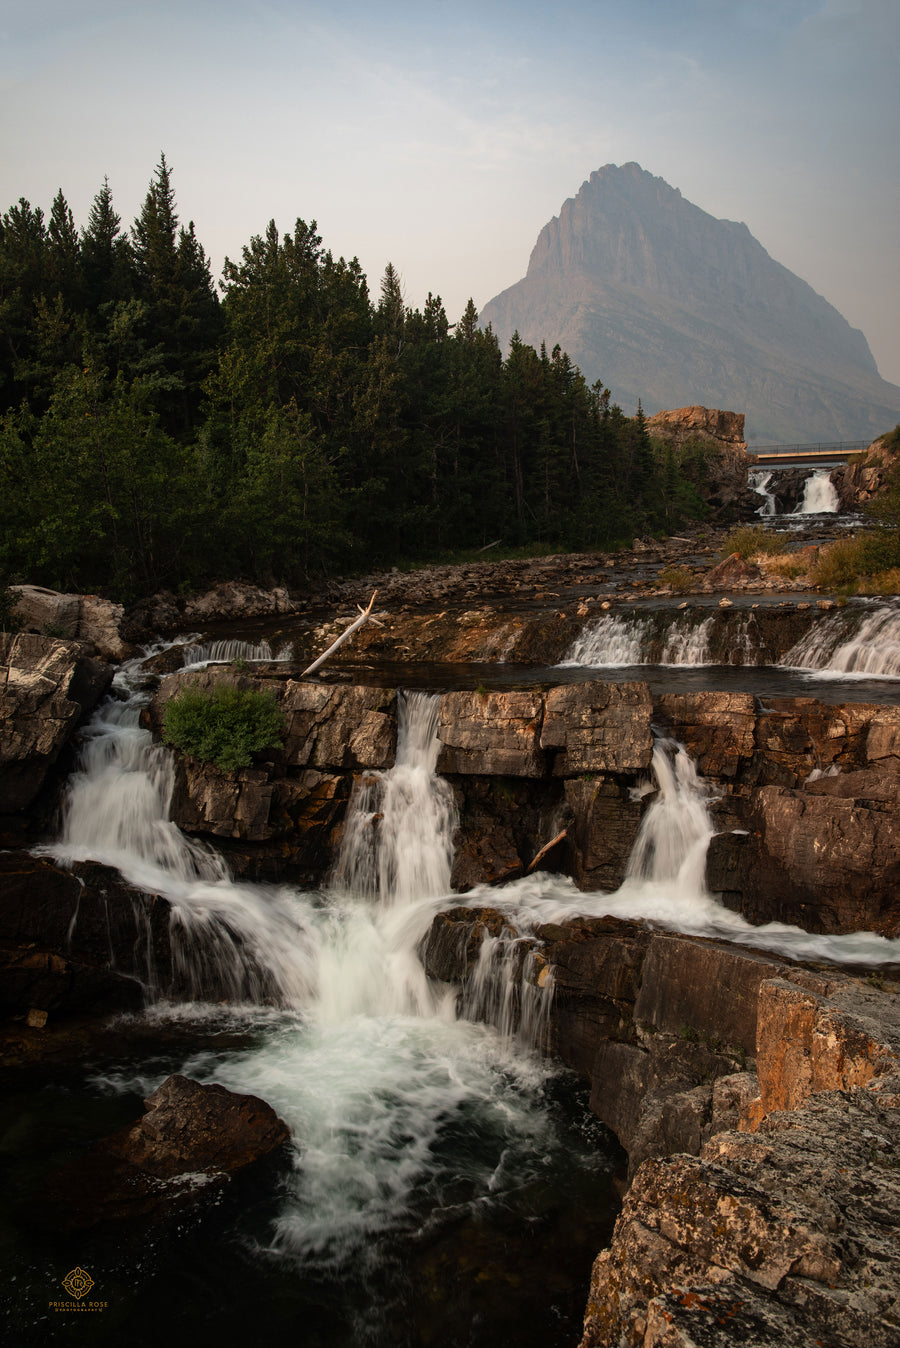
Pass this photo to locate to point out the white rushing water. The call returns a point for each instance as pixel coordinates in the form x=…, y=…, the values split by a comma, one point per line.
x=615, y=641
x=404, y=1112
x=849, y=645
x=758, y=481
x=396, y=1103
x=227, y=649
x=819, y=495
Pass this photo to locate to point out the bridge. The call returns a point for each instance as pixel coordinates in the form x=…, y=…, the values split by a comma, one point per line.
x=805, y=456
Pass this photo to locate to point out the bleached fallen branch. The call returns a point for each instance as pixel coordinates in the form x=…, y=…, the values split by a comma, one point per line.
x=546, y=848
x=365, y=616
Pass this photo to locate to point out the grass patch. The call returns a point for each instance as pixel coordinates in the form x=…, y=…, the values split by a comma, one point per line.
x=677, y=578
x=790, y=565
x=868, y=562
x=750, y=539
x=226, y=726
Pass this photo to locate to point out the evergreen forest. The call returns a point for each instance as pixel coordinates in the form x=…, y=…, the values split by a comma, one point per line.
x=158, y=430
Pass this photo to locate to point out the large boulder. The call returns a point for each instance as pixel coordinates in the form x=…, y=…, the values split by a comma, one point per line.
x=46, y=688
x=86, y=617
x=77, y=940
x=190, y=1141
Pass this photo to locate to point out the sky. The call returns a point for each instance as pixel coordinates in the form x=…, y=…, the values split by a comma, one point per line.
x=442, y=135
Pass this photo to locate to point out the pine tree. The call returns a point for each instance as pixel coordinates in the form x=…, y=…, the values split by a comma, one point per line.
x=106, y=255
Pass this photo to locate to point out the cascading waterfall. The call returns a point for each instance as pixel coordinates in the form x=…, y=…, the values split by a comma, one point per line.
x=226, y=650
x=616, y=641
x=832, y=647
x=407, y=1116
x=414, y=1127
x=397, y=842
x=758, y=481
x=611, y=640
x=819, y=495
x=670, y=848
x=665, y=882
x=688, y=644
x=232, y=940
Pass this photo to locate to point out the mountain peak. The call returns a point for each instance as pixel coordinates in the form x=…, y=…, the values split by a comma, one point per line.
x=665, y=303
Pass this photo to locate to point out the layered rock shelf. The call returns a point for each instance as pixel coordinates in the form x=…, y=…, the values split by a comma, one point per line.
x=804, y=795
x=759, y=1103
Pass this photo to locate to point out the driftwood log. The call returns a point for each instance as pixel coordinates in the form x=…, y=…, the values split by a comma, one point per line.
x=365, y=616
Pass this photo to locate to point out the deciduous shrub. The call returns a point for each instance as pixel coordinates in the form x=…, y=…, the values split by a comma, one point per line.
x=750, y=539
x=225, y=727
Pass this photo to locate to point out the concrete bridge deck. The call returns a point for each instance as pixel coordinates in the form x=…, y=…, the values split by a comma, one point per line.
x=804, y=456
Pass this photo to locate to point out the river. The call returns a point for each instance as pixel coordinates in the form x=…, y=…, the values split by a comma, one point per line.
x=446, y=1183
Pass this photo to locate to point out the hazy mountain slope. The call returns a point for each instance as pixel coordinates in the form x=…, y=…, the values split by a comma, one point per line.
x=663, y=302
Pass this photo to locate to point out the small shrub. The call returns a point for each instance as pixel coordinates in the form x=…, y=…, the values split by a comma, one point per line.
x=750, y=539
x=837, y=564
x=225, y=727
x=844, y=563
x=678, y=578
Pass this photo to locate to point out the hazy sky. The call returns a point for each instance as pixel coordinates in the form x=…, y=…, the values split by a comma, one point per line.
x=443, y=134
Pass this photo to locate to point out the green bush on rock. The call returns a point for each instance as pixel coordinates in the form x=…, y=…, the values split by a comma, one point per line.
x=225, y=726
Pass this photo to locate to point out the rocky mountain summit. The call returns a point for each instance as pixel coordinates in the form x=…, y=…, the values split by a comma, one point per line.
x=668, y=305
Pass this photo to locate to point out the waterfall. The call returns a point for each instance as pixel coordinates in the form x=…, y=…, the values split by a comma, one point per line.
x=670, y=848
x=224, y=651
x=408, y=1117
x=688, y=643
x=397, y=843
x=242, y=942
x=831, y=647
x=609, y=641
x=758, y=481
x=819, y=495
x=614, y=640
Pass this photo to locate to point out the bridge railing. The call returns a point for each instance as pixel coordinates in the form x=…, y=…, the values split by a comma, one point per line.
x=840, y=447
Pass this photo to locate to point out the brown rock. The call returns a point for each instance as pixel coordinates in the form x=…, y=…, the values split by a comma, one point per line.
x=599, y=727
x=192, y=1138
x=807, y=1043
x=191, y=1127
x=733, y=574
x=46, y=687
x=708, y=423
x=717, y=729
x=605, y=824
x=491, y=734
x=85, y=617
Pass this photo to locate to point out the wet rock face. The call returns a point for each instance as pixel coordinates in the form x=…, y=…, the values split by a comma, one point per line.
x=791, y=844
x=783, y=1231
x=46, y=687
x=81, y=940
x=192, y=1138
x=763, y=1203
x=57, y=929
x=83, y=617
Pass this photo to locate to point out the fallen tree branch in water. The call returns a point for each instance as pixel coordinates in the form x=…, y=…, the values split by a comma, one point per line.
x=545, y=849
x=365, y=616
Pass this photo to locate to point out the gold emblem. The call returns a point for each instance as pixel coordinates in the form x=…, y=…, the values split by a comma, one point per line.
x=78, y=1283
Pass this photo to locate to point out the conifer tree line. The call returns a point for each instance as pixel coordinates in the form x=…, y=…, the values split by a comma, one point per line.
x=153, y=433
